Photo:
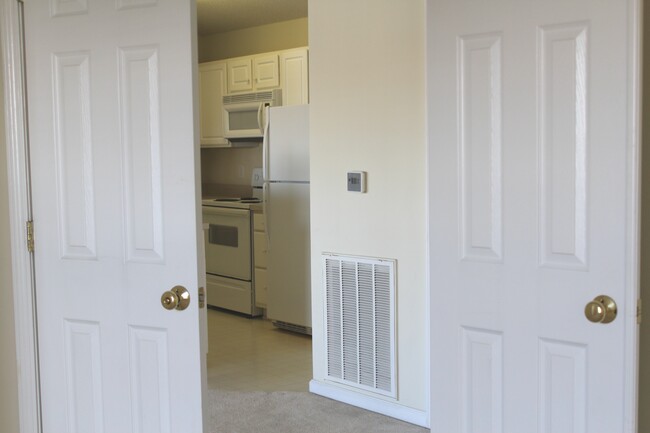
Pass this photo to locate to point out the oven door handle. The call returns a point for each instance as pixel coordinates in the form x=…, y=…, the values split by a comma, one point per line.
x=212, y=210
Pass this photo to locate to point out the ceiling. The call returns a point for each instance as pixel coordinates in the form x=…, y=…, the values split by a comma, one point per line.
x=217, y=16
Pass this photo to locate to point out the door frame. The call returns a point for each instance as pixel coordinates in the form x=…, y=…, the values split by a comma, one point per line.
x=29, y=408
x=633, y=216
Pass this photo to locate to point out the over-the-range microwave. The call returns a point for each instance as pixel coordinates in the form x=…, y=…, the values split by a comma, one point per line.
x=245, y=115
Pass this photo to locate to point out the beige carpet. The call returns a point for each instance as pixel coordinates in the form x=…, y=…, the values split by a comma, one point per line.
x=293, y=412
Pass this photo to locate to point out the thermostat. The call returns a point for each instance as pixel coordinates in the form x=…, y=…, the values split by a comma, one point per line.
x=357, y=181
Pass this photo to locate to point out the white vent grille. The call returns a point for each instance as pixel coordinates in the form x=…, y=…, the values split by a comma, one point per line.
x=267, y=96
x=360, y=322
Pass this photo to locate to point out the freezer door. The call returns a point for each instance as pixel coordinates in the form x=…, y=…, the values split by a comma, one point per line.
x=289, y=284
x=288, y=145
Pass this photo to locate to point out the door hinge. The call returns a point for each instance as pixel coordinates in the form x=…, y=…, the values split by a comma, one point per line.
x=30, y=236
x=639, y=311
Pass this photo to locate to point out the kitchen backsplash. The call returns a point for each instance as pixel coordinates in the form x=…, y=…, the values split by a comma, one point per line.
x=214, y=190
x=229, y=166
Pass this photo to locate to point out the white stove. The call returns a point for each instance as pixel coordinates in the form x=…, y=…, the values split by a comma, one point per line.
x=228, y=228
x=233, y=202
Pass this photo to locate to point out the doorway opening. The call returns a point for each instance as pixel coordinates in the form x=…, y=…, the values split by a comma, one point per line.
x=246, y=352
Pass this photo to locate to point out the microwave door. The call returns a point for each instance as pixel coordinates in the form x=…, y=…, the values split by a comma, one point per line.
x=243, y=120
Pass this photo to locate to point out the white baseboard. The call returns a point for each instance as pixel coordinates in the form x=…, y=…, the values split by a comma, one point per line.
x=367, y=402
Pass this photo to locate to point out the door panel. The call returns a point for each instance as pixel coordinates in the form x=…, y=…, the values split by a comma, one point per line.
x=528, y=119
x=115, y=213
x=288, y=147
x=289, y=286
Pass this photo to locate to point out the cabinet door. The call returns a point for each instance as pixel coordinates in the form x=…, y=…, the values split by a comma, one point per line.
x=294, y=72
x=261, y=288
x=260, y=249
x=267, y=74
x=212, y=87
x=239, y=75
x=259, y=222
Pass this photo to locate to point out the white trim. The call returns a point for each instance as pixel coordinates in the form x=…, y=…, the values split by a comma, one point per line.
x=633, y=229
x=428, y=281
x=398, y=411
x=19, y=207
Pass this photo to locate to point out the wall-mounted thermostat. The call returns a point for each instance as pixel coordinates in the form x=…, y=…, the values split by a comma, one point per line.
x=357, y=181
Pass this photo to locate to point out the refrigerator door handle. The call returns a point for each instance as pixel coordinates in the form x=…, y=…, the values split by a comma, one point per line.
x=265, y=177
x=265, y=210
x=265, y=148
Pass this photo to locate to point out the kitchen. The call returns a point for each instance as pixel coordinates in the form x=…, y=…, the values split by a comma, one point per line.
x=243, y=72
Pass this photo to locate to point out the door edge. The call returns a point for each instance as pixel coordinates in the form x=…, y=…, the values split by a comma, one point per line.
x=633, y=231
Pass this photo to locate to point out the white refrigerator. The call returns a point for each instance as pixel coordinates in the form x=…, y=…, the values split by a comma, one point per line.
x=286, y=209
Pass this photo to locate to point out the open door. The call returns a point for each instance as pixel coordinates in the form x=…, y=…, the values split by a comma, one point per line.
x=534, y=148
x=113, y=155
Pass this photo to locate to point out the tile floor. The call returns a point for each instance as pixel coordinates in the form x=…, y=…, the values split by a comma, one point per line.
x=252, y=355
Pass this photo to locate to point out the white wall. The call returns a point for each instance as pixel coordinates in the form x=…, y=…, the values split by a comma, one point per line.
x=254, y=40
x=8, y=369
x=231, y=166
x=367, y=113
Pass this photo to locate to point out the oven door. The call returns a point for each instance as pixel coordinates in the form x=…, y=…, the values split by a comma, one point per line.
x=228, y=242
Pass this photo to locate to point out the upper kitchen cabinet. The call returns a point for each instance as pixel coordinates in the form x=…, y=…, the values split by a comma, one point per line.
x=240, y=77
x=266, y=72
x=212, y=85
x=247, y=74
x=287, y=70
x=294, y=73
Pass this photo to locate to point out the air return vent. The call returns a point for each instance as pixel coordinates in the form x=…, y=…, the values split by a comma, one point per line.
x=360, y=325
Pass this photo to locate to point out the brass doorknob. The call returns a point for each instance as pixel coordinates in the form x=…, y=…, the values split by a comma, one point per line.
x=178, y=298
x=601, y=310
x=169, y=300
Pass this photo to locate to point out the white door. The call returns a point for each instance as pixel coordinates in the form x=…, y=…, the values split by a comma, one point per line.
x=532, y=214
x=111, y=122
